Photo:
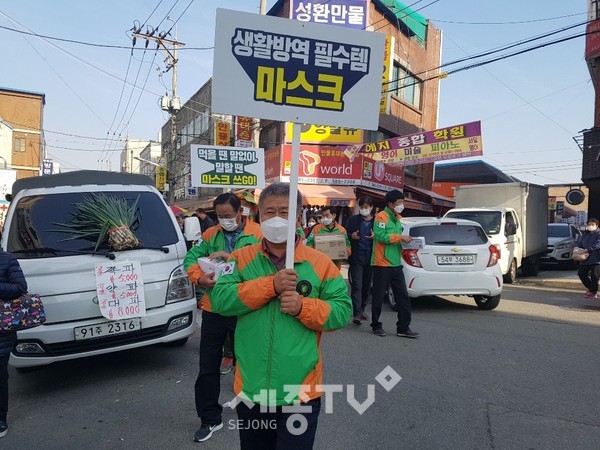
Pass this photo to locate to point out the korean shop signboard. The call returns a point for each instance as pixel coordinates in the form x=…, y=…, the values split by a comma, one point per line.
x=345, y=13
x=214, y=166
x=325, y=134
x=286, y=70
x=378, y=175
x=460, y=141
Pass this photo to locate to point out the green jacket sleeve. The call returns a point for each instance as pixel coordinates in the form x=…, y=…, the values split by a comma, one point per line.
x=197, y=251
x=381, y=234
x=333, y=307
x=234, y=296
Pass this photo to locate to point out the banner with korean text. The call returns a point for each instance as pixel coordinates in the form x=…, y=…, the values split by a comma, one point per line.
x=222, y=132
x=233, y=167
x=460, y=141
x=325, y=134
x=243, y=131
x=345, y=13
x=285, y=70
x=385, y=103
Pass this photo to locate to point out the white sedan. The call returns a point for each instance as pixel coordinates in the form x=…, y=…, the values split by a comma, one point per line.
x=451, y=257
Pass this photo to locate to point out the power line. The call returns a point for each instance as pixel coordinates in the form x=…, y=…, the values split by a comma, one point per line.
x=90, y=44
x=517, y=22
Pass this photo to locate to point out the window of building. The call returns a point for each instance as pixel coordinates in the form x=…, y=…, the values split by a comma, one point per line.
x=406, y=86
x=20, y=145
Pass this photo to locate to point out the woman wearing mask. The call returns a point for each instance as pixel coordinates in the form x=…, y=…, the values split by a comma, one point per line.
x=589, y=270
x=310, y=222
x=12, y=286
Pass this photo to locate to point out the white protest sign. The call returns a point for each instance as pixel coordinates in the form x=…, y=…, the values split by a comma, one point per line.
x=120, y=289
x=286, y=70
x=233, y=167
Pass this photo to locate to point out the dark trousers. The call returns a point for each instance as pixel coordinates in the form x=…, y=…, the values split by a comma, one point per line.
x=277, y=430
x=208, y=384
x=361, y=273
x=589, y=276
x=383, y=277
x=9, y=339
x=228, y=346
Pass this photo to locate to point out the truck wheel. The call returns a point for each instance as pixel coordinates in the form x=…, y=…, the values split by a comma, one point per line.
x=487, y=303
x=511, y=275
x=531, y=267
x=391, y=300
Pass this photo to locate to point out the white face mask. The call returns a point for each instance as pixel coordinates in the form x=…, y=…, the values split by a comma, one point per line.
x=312, y=224
x=365, y=212
x=228, y=224
x=275, y=230
x=399, y=208
x=326, y=221
x=245, y=211
x=591, y=227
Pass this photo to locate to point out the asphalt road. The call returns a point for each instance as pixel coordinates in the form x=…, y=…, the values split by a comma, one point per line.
x=525, y=375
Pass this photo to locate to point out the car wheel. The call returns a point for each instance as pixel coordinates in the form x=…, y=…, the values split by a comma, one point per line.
x=487, y=303
x=177, y=343
x=511, y=275
x=391, y=299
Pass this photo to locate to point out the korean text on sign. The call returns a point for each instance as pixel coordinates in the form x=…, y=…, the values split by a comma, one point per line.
x=349, y=13
x=120, y=290
x=288, y=70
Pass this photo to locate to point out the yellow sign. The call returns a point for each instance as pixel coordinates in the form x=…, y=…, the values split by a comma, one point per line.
x=222, y=132
x=161, y=178
x=551, y=203
x=324, y=134
x=386, y=77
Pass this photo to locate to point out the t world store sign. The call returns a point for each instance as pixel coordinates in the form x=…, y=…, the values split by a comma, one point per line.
x=328, y=165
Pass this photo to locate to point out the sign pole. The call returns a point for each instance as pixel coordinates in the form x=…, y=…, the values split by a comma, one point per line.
x=292, y=213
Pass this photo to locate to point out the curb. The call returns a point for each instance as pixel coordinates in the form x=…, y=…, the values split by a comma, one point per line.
x=569, y=285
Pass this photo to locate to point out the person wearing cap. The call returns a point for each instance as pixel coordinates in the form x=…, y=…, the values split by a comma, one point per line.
x=386, y=260
x=249, y=206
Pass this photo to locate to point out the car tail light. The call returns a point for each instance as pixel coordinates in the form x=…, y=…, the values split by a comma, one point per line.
x=494, y=255
x=411, y=257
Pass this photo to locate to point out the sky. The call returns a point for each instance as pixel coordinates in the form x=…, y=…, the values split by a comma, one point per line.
x=531, y=105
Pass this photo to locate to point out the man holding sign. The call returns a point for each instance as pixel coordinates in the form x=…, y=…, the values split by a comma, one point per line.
x=281, y=315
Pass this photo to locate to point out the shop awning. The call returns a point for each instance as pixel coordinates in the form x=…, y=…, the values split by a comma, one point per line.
x=436, y=199
x=324, y=194
x=408, y=203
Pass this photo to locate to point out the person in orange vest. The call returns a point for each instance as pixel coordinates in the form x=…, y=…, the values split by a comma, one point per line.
x=249, y=206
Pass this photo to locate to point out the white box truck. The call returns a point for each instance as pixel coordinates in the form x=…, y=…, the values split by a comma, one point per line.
x=515, y=217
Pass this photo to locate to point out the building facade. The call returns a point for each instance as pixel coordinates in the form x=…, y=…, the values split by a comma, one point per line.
x=22, y=113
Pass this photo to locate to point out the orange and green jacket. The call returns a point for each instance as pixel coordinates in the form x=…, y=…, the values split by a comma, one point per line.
x=322, y=229
x=387, y=242
x=274, y=349
x=213, y=240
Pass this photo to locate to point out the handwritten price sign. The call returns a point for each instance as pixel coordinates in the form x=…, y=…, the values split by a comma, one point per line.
x=120, y=289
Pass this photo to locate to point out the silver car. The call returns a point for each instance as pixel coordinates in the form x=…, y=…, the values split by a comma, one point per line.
x=562, y=239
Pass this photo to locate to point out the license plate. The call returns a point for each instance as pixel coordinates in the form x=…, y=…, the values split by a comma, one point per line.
x=107, y=329
x=455, y=259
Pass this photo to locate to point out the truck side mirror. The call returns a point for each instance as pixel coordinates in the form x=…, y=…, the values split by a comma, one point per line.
x=191, y=229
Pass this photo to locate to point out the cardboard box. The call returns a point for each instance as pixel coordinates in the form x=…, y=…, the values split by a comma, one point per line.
x=207, y=266
x=333, y=245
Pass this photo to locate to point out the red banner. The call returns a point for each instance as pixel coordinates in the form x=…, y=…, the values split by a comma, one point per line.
x=243, y=129
x=378, y=175
x=592, y=40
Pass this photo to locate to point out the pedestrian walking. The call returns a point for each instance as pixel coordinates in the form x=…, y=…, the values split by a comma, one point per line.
x=589, y=269
x=387, y=262
x=217, y=242
x=281, y=315
x=360, y=229
x=329, y=225
x=12, y=286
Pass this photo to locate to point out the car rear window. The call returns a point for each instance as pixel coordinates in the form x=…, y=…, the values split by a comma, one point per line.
x=33, y=225
x=450, y=234
x=489, y=220
x=558, y=231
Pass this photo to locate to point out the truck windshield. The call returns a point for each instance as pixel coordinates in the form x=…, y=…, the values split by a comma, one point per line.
x=558, y=231
x=489, y=220
x=34, y=225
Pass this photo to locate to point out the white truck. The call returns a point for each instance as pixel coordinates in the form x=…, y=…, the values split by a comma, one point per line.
x=514, y=216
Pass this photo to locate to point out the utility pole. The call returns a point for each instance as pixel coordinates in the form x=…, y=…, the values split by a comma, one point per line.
x=172, y=104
